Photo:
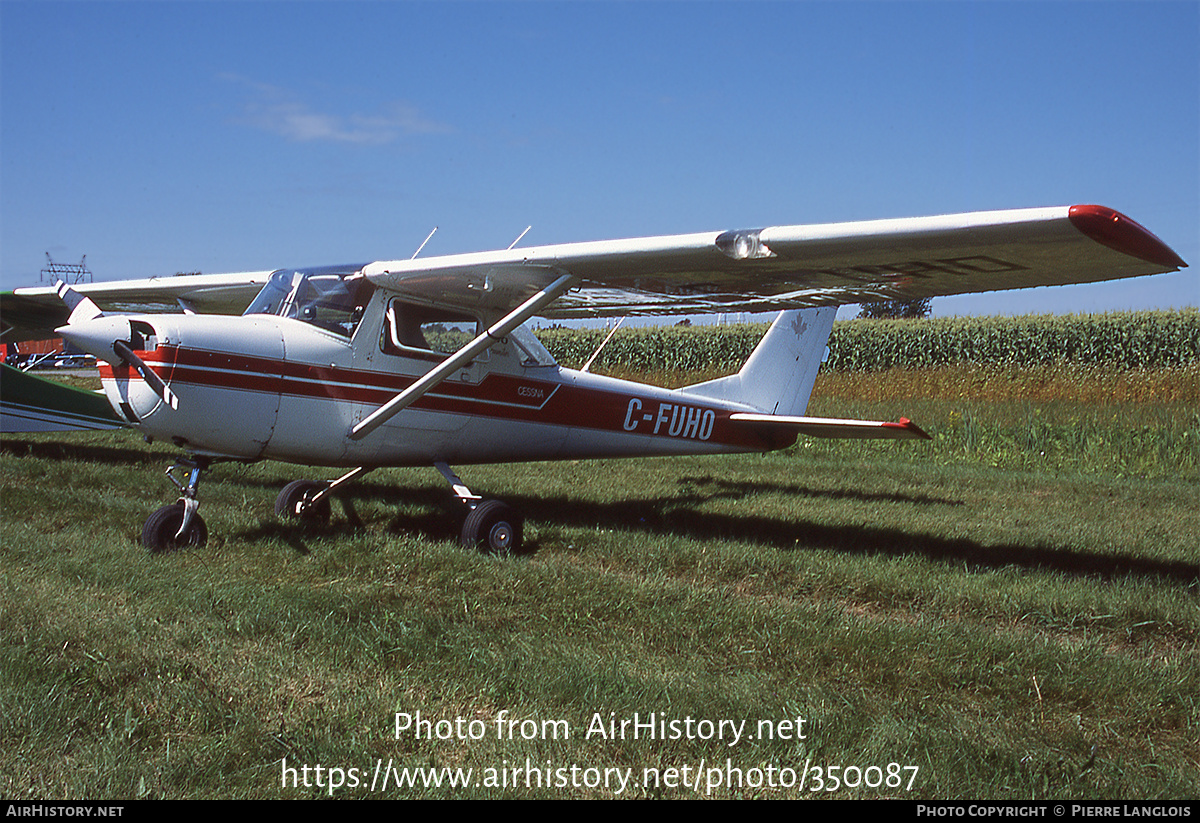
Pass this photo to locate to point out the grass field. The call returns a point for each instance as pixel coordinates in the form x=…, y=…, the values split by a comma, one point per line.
x=1009, y=611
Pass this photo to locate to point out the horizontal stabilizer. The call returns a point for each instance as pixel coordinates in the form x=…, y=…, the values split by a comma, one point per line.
x=903, y=429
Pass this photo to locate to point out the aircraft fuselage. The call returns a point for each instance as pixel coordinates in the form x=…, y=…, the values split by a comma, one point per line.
x=266, y=387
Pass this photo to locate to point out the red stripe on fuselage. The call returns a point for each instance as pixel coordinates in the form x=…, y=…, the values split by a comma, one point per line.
x=499, y=396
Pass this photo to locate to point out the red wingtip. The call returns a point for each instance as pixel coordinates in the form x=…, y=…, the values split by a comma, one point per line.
x=1115, y=230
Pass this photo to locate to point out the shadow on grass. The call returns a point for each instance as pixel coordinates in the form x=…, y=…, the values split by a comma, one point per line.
x=682, y=515
x=678, y=514
x=736, y=490
x=79, y=452
x=441, y=517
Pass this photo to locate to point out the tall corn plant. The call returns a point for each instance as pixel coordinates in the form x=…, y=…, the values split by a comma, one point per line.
x=1127, y=340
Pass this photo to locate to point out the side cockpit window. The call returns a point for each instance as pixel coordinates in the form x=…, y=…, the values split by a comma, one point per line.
x=424, y=331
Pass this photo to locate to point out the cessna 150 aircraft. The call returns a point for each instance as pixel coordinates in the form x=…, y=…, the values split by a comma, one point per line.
x=340, y=366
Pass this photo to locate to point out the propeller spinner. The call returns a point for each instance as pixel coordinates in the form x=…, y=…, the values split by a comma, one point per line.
x=109, y=338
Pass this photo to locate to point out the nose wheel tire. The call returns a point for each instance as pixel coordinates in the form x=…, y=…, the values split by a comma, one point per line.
x=493, y=527
x=295, y=502
x=158, y=533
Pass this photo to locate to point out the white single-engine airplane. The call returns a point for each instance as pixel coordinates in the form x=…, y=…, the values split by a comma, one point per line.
x=425, y=361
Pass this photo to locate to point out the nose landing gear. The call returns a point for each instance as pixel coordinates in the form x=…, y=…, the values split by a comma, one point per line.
x=179, y=524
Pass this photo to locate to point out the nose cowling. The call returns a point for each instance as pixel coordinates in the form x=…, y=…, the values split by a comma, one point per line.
x=223, y=368
x=113, y=340
x=96, y=336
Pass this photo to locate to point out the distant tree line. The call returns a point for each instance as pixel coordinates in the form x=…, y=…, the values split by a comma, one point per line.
x=894, y=309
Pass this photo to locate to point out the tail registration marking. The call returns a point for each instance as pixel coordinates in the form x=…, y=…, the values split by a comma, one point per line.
x=671, y=420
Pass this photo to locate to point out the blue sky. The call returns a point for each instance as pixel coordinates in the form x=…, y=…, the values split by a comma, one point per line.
x=231, y=136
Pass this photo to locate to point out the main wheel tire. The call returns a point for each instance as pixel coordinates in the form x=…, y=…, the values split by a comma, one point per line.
x=160, y=528
x=293, y=504
x=493, y=527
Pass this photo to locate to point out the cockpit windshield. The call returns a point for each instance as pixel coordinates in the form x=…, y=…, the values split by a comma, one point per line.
x=332, y=298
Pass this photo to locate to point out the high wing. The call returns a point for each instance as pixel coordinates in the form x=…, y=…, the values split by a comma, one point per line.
x=779, y=267
x=787, y=267
x=776, y=268
x=34, y=313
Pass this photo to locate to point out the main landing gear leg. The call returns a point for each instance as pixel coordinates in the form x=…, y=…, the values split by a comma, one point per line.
x=492, y=526
x=308, y=500
x=179, y=524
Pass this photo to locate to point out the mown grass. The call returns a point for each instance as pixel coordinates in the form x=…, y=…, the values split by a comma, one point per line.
x=1013, y=626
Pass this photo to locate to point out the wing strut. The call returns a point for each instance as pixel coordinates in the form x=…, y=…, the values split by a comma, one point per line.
x=463, y=356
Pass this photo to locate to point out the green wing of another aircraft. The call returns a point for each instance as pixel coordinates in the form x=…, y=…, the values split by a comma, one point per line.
x=34, y=404
x=34, y=313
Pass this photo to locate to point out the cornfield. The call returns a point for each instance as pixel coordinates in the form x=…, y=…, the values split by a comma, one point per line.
x=1122, y=340
x=657, y=349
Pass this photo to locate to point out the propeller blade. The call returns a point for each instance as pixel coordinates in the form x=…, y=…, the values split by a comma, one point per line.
x=152, y=380
x=82, y=308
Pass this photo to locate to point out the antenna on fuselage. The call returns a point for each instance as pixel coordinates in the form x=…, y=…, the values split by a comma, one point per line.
x=519, y=236
x=418, y=251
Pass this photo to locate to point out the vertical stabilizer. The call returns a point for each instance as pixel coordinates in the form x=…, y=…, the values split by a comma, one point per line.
x=778, y=377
